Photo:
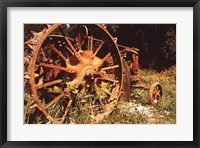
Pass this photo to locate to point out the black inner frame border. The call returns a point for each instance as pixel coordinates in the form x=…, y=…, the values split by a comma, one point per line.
x=98, y=3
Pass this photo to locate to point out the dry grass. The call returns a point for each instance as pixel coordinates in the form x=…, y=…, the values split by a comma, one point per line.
x=137, y=111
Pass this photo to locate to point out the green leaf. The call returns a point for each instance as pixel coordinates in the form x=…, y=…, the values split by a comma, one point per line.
x=75, y=91
x=56, y=88
x=83, y=101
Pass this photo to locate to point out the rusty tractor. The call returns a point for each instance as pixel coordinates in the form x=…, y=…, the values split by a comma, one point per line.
x=67, y=62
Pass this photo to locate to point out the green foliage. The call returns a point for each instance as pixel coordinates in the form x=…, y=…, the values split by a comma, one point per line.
x=32, y=27
x=125, y=113
x=82, y=110
x=167, y=79
x=113, y=28
x=121, y=116
x=168, y=47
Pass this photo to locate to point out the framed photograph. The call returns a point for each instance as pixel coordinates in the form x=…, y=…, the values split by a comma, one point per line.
x=106, y=73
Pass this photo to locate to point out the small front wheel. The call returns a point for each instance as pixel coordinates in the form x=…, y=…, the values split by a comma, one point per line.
x=155, y=93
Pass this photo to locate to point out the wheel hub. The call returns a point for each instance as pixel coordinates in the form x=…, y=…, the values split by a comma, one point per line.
x=87, y=66
x=61, y=67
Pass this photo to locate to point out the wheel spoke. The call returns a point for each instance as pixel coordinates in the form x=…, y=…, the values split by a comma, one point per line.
x=43, y=54
x=109, y=93
x=53, y=66
x=29, y=104
x=70, y=50
x=104, y=59
x=39, y=105
x=54, y=100
x=59, y=53
x=91, y=43
x=78, y=40
x=108, y=79
x=69, y=68
x=158, y=93
x=97, y=50
x=110, y=67
x=77, y=54
x=70, y=44
x=66, y=111
x=48, y=84
x=101, y=102
x=115, y=91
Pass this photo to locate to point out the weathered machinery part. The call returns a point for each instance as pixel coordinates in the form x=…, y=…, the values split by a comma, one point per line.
x=140, y=87
x=131, y=56
x=135, y=63
x=82, y=35
x=61, y=66
x=155, y=93
x=126, y=85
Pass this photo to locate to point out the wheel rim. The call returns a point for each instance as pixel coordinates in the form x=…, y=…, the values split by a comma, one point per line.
x=85, y=65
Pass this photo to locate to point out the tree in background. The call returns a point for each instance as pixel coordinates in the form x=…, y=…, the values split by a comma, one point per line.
x=157, y=42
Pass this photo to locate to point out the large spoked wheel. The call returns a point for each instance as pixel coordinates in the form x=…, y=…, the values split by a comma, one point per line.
x=69, y=64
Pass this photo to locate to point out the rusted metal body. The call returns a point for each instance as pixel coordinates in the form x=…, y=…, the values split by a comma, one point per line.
x=88, y=61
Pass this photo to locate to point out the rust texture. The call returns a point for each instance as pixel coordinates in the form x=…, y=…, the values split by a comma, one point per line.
x=88, y=61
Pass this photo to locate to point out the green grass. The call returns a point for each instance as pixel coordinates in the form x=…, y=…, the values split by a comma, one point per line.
x=125, y=112
x=167, y=106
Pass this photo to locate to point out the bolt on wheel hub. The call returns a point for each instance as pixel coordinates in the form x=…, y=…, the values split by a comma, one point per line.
x=65, y=66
